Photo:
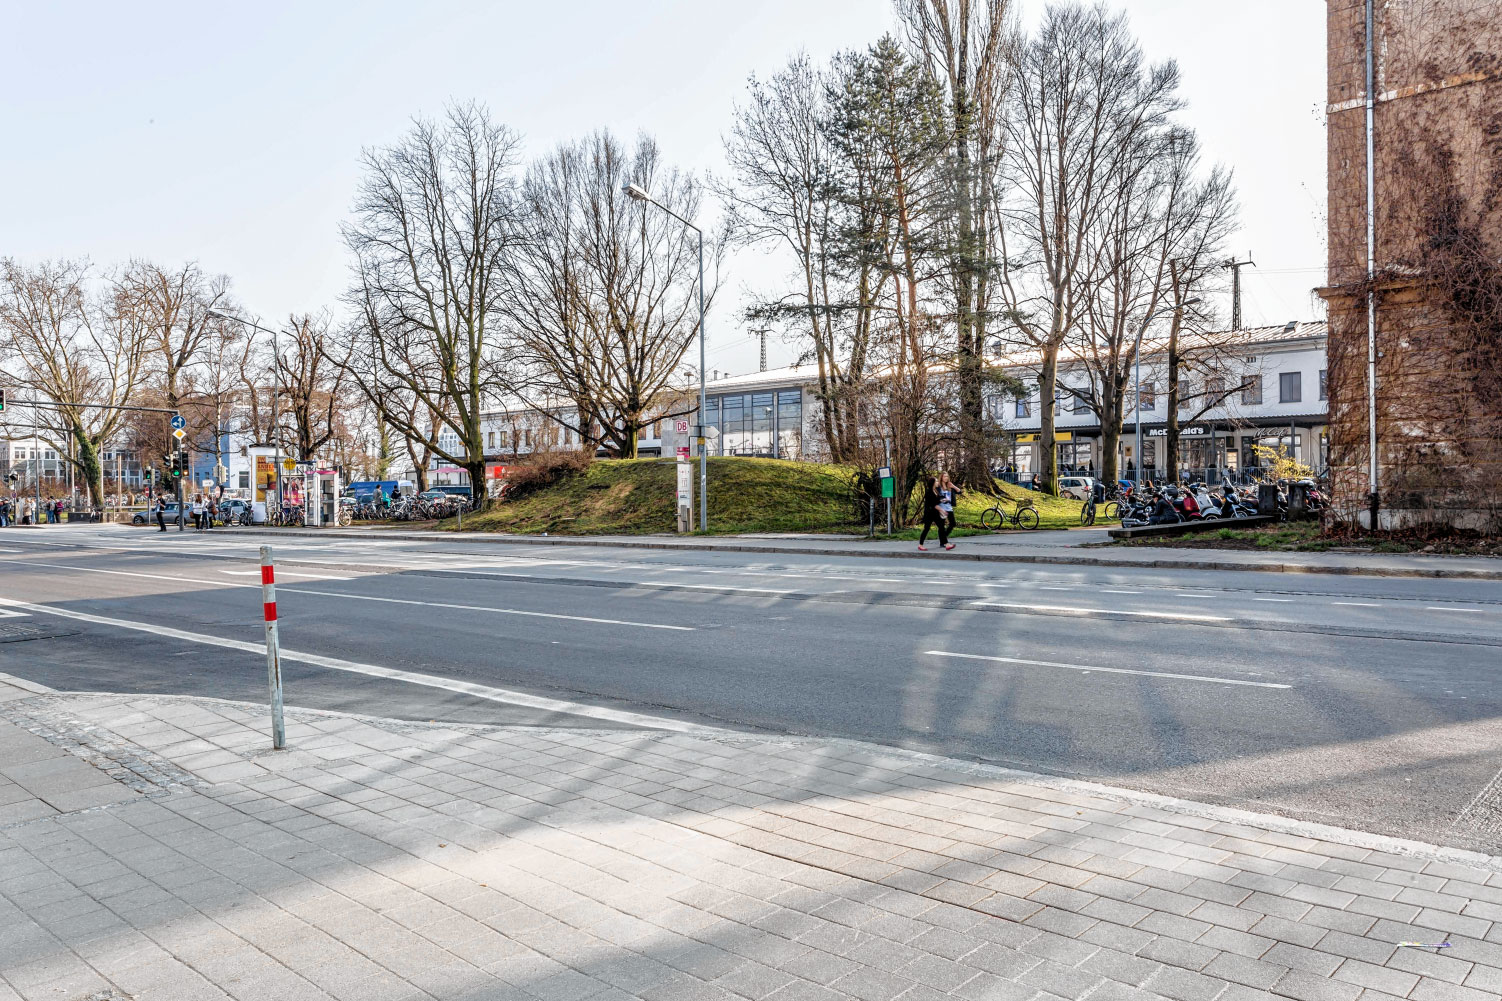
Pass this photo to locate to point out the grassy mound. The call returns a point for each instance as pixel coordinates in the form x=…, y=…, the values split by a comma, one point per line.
x=635, y=497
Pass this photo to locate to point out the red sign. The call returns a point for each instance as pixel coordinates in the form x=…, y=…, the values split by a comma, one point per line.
x=683, y=451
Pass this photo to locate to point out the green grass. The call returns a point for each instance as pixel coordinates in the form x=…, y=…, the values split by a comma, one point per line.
x=635, y=497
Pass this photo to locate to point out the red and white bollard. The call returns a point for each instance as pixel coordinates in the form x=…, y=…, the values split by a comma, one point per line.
x=273, y=656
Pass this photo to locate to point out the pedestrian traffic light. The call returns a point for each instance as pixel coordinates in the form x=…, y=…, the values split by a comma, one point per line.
x=177, y=465
x=2, y=401
x=146, y=476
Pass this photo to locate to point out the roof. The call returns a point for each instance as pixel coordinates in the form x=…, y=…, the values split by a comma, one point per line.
x=1280, y=335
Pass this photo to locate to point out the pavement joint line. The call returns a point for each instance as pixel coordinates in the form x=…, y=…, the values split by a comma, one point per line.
x=502, y=695
x=900, y=757
x=1087, y=669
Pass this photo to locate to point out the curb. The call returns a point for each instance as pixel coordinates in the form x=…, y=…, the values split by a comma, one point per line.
x=1157, y=564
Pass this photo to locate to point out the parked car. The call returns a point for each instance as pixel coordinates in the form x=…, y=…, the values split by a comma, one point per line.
x=1078, y=487
x=149, y=517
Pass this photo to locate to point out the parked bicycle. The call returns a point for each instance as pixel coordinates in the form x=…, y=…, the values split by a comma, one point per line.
x=1025, y=516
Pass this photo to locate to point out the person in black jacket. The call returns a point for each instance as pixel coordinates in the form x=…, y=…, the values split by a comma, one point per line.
x=933, y=499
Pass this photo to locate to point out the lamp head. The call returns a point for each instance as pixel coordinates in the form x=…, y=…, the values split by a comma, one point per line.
x=636, y=192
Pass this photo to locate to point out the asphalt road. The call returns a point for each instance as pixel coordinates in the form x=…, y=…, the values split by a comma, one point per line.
x=1370, y=703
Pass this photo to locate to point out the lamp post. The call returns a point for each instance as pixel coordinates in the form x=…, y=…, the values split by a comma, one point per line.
x=276, y=390
x=637, y=193
x=1137, y=396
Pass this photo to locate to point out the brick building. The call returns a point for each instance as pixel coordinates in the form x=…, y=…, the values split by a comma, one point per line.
x=1436, y=281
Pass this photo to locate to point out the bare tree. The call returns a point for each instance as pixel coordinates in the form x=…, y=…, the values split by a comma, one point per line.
x=603, y=299
x=174, y=305
x=968, y=47
x=432, y=232
x=81, y=352
x=1080, y=94
x=784, y=195
x=313, y=379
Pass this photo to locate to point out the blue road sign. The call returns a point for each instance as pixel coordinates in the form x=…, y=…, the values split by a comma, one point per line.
x=178, y=421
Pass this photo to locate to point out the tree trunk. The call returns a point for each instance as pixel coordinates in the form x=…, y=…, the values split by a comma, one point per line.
x=89, y=466
x=1048, y=458
x=1171, y=437
x=1110, y=443
x=479, y=496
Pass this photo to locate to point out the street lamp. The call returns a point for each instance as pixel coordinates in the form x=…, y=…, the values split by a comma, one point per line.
x=276, y=390
x=637, y=193
x=1137, y=398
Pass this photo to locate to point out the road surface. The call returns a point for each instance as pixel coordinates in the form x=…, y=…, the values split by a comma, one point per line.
x=1370, y=703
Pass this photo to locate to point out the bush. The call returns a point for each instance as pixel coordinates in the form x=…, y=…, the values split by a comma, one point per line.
x=544, y=469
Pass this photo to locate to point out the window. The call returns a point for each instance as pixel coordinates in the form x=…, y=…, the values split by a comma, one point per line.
x=505, y=438
x=1322, y=374
x=1081, y=401
x=1215, y=390
x=1060, y=394
x=1024, y=407
x=492, y=439
x=1290, y=387
x=1147, y=397
x=244, y=479
x=1186, y=395
x=1251, y=389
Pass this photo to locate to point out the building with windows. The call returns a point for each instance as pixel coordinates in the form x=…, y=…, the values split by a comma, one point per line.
x=1264, y=386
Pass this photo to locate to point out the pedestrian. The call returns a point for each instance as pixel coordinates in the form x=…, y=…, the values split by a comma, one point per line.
x=161, y=513
x=210, y=512
x=932, y=515
x=1036, y=481
x=949, y=500
x=197, y=512
x=4, y=512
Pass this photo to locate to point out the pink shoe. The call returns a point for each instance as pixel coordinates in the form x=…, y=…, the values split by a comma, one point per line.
x=922, y=548
x=950, y=546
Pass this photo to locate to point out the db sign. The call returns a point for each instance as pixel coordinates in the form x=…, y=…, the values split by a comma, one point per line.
x=680, y=427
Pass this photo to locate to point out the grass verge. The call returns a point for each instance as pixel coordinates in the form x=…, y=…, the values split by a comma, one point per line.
x=746, y=496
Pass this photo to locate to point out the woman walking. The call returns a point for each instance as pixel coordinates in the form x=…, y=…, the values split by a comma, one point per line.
x=938, y=507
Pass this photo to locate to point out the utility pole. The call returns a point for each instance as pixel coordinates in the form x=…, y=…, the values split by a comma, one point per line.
x=763, y=334
x=1236, y=267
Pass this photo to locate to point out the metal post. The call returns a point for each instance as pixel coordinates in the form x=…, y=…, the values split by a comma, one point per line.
x=273, y=656
x=886, y=449
x=1373, y=498
x=703, y=406
x=276, y=390
x=1137, y=407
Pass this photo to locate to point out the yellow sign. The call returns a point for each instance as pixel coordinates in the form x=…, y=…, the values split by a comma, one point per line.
x=289, y=464
x=265, y=477
x=1028, y=439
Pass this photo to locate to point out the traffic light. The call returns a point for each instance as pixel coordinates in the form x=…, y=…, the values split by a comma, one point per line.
x=2, y=401
x=146, y=477
x=177, y=465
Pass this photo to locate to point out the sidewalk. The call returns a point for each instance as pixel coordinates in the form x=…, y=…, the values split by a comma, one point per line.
x=1043, y=547
x=381, y=860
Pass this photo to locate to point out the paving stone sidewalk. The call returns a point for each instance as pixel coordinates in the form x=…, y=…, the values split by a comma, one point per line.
x=381, y=860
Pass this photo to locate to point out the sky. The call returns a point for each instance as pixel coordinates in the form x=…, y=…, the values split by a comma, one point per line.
x=231, y=134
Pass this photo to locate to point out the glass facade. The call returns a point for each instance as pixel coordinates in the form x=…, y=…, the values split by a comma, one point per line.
x=767, y=424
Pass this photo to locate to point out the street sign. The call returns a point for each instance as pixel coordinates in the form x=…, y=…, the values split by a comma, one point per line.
x=178, y=421
x=888, y=487
x=681, y=427
x=179, y=434
x=289, y=464
x=884, y=472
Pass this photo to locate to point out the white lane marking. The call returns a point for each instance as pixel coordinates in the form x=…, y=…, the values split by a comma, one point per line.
x=1272, y=599
x=1107, y=590
x=367, y=597
x=658, y=585
x=1048, y=587
x=285, y=573
x=1106, y=670
x=1191, y=596
x=7, y=613
x=486, y=608
x=1447, y=608
x=485, y=692
x=1357, y=604
x=1101, y=611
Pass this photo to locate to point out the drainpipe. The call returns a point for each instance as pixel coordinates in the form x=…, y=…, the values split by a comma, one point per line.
x=1373, y=500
